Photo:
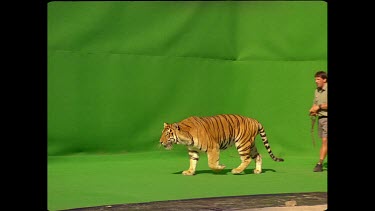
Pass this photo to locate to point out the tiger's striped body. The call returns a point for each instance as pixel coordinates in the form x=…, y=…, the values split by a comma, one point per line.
x=215, y=133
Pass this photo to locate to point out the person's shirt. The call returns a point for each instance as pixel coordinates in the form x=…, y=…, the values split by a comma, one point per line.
x=321, y=98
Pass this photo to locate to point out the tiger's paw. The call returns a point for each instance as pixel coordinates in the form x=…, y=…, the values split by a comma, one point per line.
x=218, y=168
x=257, y=171
x=236, y=171
x=188, y=173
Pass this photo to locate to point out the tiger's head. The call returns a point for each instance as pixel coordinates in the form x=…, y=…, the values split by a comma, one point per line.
x=173, y=134
x=168, y=136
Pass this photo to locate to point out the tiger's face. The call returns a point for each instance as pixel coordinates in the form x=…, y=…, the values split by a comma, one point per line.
x=168, y=136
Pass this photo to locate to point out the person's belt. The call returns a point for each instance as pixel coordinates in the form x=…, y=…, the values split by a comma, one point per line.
x=320, y=117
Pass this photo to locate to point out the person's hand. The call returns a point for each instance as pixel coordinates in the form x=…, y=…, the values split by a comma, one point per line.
x=314, y=110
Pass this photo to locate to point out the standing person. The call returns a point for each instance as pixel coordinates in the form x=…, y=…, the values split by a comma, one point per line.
x=320, y=109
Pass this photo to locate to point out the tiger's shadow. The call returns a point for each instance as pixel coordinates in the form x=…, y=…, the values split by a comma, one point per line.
x=227, y=171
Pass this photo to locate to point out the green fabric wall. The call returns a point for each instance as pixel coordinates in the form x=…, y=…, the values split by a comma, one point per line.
x=118, y=70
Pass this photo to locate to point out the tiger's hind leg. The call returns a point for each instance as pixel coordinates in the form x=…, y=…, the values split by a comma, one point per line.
x=245, y=161
x=258, y=164
x=254, y=154
x=244, y=150
x=213, y=157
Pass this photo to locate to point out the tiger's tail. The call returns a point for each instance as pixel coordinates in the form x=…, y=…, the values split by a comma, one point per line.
x=266, y=144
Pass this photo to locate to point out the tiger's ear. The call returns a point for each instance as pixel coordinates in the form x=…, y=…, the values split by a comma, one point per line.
x=175, y=125
x=165, y=124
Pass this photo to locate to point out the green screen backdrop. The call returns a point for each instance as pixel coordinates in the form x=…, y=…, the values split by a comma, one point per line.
x=118, y=70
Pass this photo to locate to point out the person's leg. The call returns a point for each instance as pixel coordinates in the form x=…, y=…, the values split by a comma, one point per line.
x=323, y=134
x=323, y=150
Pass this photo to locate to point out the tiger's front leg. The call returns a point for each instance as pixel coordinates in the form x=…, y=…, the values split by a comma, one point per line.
x=194, y=157
x=213, y=157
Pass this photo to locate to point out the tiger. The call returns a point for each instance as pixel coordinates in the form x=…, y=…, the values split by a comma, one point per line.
x=211, y=134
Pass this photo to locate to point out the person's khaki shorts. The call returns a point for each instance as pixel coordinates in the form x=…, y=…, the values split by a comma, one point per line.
x=323, y=128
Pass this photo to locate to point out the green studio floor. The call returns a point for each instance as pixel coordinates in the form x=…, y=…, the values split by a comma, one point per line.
x=82, y=180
